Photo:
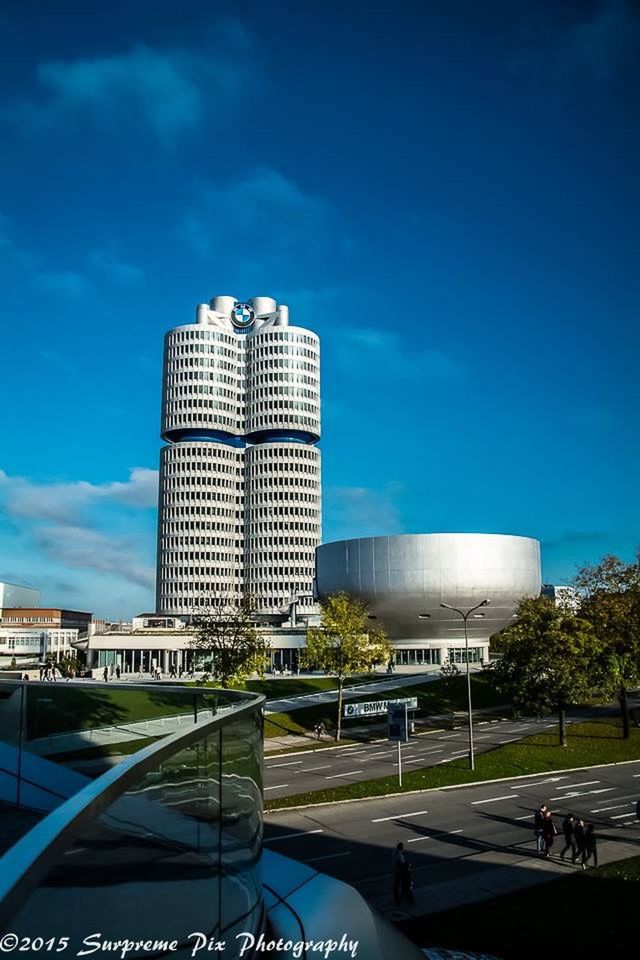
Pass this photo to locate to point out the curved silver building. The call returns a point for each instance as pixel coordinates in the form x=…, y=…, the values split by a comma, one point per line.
x=405, y=578
x=239, y=501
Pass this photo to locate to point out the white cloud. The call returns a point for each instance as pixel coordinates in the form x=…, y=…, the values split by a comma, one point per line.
x=121, y=272
x=86, y=549
x=168, y=91
x=370, y=350
x=282, y=230
x=64, y=282
x=66, y=502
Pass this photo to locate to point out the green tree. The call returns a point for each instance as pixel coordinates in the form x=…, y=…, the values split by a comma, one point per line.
x=609, y=594
x=345, y=642
x=449, y=676
x=226, y=636
x=548, y=659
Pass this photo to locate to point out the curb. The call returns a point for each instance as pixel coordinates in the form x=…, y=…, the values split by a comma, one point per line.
x=452, y=786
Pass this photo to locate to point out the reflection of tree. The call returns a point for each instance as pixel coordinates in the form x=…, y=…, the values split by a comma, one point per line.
x=65, y=709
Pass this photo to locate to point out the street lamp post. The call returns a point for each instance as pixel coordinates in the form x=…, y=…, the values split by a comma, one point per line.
x=465, y=617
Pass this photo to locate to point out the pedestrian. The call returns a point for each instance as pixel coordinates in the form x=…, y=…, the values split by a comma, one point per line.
x=105, y=674
x=538, y=820
x=638, y=810
x=402, y=882
x=569, y=838
x=118, y=672
x=578, y=832
x=26, y=676
x=41, y=669
x=548, y=832
x=590, y=847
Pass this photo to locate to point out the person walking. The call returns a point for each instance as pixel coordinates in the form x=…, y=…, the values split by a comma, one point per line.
x=590, y=848
x=548, y=832
x=578, y=833
x=105, y=674
x=569, y=838
x=538, y=820
x=638, y=810
x=118, y=672
x=402, y=882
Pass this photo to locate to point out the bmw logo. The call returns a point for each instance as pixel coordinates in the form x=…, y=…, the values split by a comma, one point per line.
x=242, y=315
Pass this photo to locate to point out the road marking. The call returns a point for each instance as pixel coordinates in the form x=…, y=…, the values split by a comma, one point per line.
x=459, y=753
x=617, y=806
x=291, y=836
x=449, y=736
x=584, y=783
x=385, y=753
x=292, y=763
x=528, y=816
x=400, y=816
x=434, y=750
x=349, y=773
x=328, y=856
x=523, y=786
x=277, y=786
x=327, y=766
x=512, y=740
x=620, y=816
x=582, y=793
x=416, y=760
x=509, y=796
x=434, y=836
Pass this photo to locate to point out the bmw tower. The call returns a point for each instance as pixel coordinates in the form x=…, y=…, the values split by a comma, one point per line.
x=239, y=508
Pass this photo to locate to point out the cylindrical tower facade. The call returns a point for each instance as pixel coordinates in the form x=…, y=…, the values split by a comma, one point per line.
x=239, y=501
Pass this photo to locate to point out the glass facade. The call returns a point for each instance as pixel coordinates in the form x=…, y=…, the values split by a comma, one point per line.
x=168, y=842
x=459, y=654
x=411, y=657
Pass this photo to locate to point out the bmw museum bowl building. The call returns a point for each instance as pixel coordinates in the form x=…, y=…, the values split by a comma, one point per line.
x=404, y=579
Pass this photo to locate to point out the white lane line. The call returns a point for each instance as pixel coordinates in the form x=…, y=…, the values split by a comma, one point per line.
x=449, y=736
x=459, y=753
x=329, y=856
x=626, y=796
x=352, y=753
x=327, y=766
x=434, y=750
x=481, y=723
x=528, y=816
x=509, y=796
x=349, y=773
x=635, y=774
x=292, y=763
x=620, y=816
x=400, y=816
x=434, y=836
x=583, y=783
x=512, y=740
x=581, y=793
x=617, y=806
x=291, y=836
x=523, y=786
x=417, y=760
x=277, y=786
x=385, y=753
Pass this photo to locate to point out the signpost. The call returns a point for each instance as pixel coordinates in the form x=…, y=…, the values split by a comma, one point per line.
x=398, y=729
x=376, y=707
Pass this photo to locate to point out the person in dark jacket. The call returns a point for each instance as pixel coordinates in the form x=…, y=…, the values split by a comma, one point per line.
x=569, y=838
x=548, y=833
x=538, y=820
x=578, y=833
x=402, y=882
x=590, y=848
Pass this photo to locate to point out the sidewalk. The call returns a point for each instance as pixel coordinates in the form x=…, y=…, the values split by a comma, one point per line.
x=509, y=871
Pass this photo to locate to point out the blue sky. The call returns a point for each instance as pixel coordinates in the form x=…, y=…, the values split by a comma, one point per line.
x=446, y=192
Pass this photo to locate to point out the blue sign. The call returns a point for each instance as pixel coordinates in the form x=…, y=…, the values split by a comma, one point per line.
x=398, y=722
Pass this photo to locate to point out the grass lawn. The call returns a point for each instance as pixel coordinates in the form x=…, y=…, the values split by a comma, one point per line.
x=586, y=915
x=589, y=744
x=430, y=696
x=297, y=686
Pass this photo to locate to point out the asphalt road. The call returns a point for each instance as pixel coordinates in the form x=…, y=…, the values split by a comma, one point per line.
x=320, y=769
x=465, y=843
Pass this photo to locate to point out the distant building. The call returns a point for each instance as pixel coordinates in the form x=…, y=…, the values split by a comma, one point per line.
x=30, y=643
x=53, y=618
x=14, y=595
x=563, y=596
